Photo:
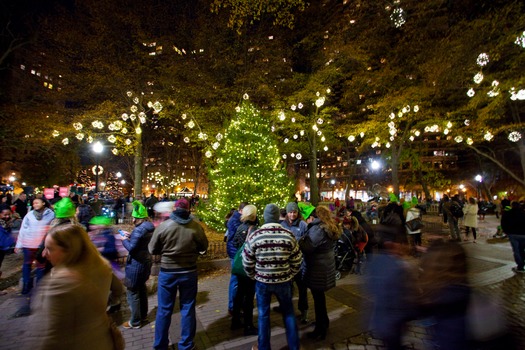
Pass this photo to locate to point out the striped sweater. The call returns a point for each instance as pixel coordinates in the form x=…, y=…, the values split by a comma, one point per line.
x=271, y=254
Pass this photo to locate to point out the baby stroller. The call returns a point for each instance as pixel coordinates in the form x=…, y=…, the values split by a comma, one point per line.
x=344, y=255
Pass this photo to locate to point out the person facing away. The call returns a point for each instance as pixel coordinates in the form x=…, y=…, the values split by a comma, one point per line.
x=138, y=265
x=69, y=308
x=178, y=241
x=453, y=222
x=272, y=257
x=470, y=219
x=294, y=223
x=233, y=223
x=317, y=246
x=513, y=223
x=245, y=285
x=32, y=232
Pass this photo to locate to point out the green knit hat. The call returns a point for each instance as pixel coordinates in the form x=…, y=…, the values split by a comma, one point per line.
x=393, y=198
x=139, y=210
x=100, y=221
x=64, y=208
x=305, y=209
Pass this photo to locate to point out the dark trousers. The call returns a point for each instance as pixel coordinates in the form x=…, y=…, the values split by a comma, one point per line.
x=302, y=304
x=474, y=233
x=321, y=314
x=244, y=300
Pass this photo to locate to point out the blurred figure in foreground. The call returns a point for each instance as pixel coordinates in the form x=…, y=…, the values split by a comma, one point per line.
x=69, y=309
x=444, y=294
x=391, y=285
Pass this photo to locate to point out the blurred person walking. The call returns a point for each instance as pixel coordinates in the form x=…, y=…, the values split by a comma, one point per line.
x=69, y=308
x=317, y=246
x=391, y=285
x=34, y=227
x=470, y=219
x=444, y=294
x=138, y=265
x=272, y=258
x=178, y=240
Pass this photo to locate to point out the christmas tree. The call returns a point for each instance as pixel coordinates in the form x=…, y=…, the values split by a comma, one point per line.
x=248, y=169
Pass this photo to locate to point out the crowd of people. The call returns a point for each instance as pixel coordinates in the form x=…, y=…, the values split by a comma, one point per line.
x=75, y=257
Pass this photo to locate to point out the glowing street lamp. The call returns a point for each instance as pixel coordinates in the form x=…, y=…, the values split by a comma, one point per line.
x=97, y=148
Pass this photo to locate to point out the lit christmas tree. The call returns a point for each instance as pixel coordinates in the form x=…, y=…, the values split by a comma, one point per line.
x=248, y=169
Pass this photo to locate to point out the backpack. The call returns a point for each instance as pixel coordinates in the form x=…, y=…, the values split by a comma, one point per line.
x=456, y=210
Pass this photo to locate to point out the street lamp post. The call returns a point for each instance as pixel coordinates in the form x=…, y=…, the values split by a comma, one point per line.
x=333, y=188
x=97, y=148
x=479, y=179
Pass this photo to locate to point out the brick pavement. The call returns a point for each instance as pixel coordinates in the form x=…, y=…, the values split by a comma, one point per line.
x=348, y=305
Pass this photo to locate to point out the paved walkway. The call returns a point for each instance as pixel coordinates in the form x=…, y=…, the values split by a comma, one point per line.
x=489, y=261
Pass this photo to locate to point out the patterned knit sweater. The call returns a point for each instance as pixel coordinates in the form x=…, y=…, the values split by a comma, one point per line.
x=271, y=254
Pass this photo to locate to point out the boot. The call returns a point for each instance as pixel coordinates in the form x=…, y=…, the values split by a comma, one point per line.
x=304, y=317
x=236, y=323
x=250, y=330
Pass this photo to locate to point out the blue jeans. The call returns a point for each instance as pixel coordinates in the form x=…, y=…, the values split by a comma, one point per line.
x=517, y=242
x=169, y=283
x=283, y=292
x=29, y=257
x=138, y=304
x=232, y=290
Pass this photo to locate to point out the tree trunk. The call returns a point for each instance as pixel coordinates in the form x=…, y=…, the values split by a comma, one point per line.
x=138, y=166
x=395, y=169
x=314, y=184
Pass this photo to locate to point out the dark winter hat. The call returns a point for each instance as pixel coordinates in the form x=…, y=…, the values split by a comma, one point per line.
x=182, y=203
x=292, y=206
x=64, y=208
x=271, y=214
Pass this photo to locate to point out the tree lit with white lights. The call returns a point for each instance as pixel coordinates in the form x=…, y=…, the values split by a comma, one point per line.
x=248, y=168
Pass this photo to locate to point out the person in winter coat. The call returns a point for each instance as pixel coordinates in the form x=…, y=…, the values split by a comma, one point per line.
x=233, y=223
x=138, y=265
x=415, y=236
x=32, y=232
x=294, y=223
x=69, y=308
x=245, y=286
x=470, y=219
x=317, y=246
x=6, y=239
x=512, y=223
x=179, y=240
